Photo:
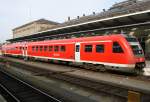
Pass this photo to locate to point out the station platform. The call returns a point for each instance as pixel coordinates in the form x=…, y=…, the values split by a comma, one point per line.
x=147, y=64
x=147, y=69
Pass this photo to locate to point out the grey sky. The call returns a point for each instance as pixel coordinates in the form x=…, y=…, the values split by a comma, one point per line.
x=14, y=13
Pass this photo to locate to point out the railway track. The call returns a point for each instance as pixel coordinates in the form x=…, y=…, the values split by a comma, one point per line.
x=108, y=72
x=15, y=90
x=90, y=84
x=104, y=87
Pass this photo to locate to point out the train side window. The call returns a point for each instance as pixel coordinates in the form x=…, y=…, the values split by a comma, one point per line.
x=41, y=48
x=88, y=48
x=56, y=48
x=33, y=48
x=37, y=48
x=50, y=48
x=100, y=48
x=117, y=48
x=63, y=48
x=45, y=48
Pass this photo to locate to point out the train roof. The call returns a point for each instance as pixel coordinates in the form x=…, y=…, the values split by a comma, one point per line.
x=14, y=44
x=105, y=37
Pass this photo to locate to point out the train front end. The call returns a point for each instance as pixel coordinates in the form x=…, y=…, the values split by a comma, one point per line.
x=138, y=53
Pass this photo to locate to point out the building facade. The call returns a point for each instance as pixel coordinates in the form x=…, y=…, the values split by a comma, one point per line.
x=33, y=28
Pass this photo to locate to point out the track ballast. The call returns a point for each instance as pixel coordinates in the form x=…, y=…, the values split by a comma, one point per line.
x=15, y=90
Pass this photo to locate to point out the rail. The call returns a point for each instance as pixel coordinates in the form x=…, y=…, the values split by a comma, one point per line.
x=16, y=90
x=109, y=88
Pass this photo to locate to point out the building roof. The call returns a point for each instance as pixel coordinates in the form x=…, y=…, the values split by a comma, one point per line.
x=39, y=21
x=121, y=8
x=137, y=12
x=125, y=7
x=121, y=21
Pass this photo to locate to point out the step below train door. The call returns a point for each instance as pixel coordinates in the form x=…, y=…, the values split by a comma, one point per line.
x=77, y=52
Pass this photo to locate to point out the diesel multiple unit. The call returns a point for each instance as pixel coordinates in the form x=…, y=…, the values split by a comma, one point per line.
x=115, y=51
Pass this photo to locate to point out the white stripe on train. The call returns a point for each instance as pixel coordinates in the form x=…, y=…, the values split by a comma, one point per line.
x=94, y=62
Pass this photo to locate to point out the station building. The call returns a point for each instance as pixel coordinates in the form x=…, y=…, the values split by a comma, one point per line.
x=33, y=27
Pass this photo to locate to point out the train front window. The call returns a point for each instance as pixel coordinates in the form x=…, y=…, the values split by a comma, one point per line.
x=137, y=50
x=131, y=39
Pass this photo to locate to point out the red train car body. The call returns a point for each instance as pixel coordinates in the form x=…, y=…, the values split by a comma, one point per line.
x=118, y=52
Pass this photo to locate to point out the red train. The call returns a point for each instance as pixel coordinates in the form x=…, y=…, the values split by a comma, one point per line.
x=117, y=52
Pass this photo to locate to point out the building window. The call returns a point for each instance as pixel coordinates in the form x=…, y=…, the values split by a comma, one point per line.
x=100, y=48
x=88, y=48
x=45, y=48
x=50, y=48
x=41, y=48
x=63, y=48
x=117, y=48
x=56, y=48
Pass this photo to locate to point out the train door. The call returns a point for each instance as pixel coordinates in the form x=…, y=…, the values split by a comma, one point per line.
x=24, y=51
x=77, y=52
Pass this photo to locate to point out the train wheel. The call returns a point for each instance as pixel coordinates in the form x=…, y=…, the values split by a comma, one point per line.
x=138, y=71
